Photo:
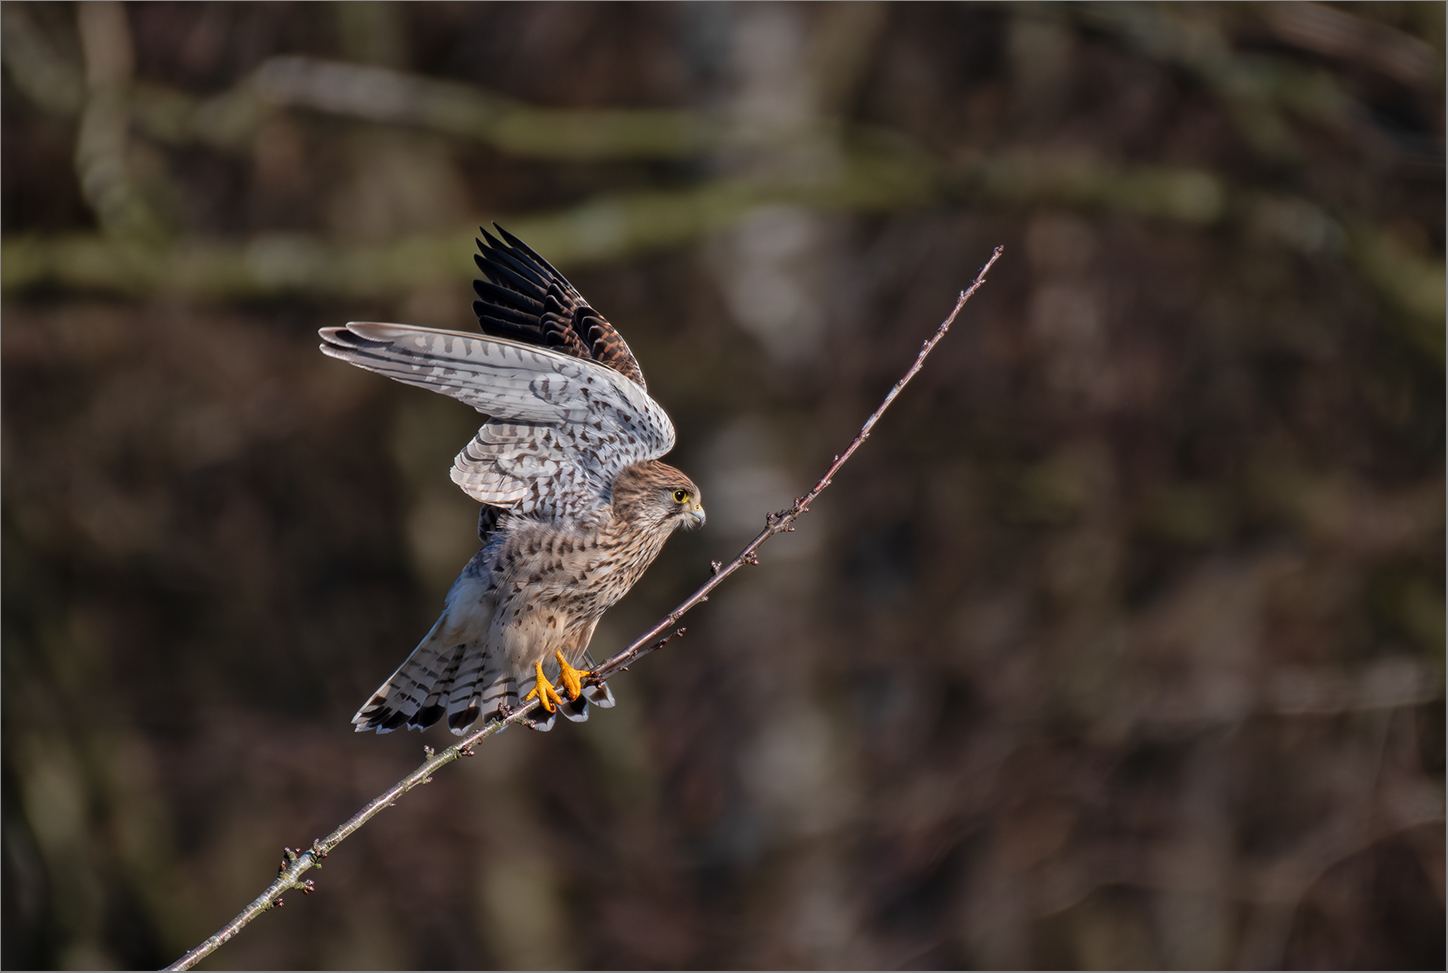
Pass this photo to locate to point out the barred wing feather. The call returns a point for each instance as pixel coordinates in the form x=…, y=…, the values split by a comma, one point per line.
x=560, y=428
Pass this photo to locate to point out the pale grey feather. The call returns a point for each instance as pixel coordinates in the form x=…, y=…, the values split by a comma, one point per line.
x=560, y=428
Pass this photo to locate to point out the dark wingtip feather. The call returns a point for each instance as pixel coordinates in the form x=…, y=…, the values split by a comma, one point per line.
x=492, y=240
x=521, y=284
x=521, y=304
x=517, y=244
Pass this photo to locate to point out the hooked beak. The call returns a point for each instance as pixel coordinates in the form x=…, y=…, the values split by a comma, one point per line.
x=696, y=517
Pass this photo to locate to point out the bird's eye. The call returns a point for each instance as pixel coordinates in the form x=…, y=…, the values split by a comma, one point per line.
x=681, y=496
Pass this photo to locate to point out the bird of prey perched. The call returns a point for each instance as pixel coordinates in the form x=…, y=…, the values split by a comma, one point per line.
x=576, y=504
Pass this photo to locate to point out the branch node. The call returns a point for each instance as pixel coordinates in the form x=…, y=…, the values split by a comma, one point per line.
x=714, y=567
x=318, y=852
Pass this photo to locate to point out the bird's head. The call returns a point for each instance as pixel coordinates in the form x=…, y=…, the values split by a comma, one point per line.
x=659, y=496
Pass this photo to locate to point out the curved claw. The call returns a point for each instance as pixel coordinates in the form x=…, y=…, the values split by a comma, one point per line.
x=543, y=689
x=569, y=678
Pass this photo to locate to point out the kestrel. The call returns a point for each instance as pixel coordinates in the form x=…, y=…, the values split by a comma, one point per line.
x=576, y=504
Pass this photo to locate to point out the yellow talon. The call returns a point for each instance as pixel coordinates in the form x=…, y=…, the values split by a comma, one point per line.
x=544, y=690
x=569, y=678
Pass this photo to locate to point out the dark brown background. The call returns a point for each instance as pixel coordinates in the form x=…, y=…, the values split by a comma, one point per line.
x=1119, y=645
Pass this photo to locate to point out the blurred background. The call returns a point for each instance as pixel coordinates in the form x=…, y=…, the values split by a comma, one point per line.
x=1120, y=643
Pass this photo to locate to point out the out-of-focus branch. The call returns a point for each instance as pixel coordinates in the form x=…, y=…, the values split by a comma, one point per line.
x=38, y=67
x=102, y=144
x=603, y=229
x=367, y=93
x=383, y=96
x=871, y=178
x=1258, y=87
x=379, y=95
x=876, y=173
x=296, y=863
x=1336, y=33
x=1263, y=91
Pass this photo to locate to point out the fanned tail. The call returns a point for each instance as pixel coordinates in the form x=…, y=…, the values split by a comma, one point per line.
x=461, y=681
x=419, y=693
x=414, y=694
x=482, y=688
x=456, y=672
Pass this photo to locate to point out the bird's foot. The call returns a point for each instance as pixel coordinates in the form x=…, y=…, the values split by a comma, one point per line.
x=569, y=678
x=543, y=689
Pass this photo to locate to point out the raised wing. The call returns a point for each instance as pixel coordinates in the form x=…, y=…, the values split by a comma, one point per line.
x=560, y=427
x=526, y=299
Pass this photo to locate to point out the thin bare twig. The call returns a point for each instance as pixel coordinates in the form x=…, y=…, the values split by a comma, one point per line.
x=783, y=520
x=295, y=863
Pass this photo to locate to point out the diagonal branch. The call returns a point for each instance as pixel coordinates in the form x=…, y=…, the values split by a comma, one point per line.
x=296, y=863
x=783, y=521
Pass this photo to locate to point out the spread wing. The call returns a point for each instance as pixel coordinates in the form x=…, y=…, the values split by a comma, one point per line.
x=561, y=428
x=527, y=300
